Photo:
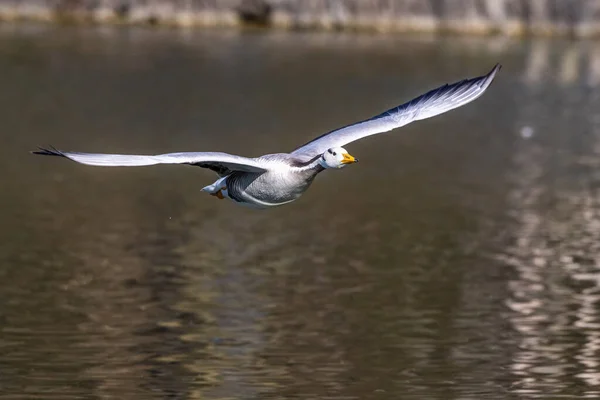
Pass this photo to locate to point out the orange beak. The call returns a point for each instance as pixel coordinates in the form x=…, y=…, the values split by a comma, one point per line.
x=348, y=159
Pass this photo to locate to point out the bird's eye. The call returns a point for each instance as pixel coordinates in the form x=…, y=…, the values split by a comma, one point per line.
x=329, y=151
x=335, y=154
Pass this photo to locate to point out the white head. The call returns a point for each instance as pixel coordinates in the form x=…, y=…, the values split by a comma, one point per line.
x=336, y=157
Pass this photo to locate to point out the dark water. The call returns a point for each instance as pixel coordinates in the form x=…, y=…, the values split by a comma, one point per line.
x=458, y=260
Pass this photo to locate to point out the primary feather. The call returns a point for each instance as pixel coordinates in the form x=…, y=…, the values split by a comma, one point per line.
x=430, y=104
x=206, y=159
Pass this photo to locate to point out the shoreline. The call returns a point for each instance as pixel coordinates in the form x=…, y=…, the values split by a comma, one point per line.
x=497, y=17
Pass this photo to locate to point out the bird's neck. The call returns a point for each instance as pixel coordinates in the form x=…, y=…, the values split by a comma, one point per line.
x=312, y=166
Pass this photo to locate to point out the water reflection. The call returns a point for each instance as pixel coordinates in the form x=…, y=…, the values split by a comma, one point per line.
x=553, y=302
x=131, y=284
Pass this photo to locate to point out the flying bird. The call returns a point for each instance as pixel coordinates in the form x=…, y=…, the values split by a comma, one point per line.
x=277, y=179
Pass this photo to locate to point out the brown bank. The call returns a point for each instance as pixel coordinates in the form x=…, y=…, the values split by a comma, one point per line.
x=578, y=18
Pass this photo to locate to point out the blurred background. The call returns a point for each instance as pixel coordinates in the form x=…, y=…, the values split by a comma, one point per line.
x=458, y=260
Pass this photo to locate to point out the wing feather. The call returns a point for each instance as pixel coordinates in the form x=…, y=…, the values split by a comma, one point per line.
x=430, y=104
x=220, y=162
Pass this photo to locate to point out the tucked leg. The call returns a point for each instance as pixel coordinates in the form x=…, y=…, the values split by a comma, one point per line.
x=217, y=188
x=218, y=194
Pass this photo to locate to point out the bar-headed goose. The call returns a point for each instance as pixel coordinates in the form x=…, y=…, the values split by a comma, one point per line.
x=277, y=179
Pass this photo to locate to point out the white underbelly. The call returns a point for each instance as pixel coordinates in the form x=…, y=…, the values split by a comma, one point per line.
x=256, y=195
x=252, y=202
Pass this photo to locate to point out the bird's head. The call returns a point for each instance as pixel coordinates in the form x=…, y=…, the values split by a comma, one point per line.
x=337, y=157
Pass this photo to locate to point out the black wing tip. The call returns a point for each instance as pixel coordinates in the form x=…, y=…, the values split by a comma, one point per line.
x=486, y=80
x=494, y=70
x=51, y=151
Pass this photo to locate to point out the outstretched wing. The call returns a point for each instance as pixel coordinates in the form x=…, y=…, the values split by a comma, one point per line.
x=222, y=163
x=430, y=104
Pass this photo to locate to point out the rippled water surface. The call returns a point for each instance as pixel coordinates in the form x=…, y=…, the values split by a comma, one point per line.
x=458, y=260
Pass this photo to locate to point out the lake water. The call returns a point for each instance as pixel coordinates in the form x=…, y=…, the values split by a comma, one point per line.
x=459, y=260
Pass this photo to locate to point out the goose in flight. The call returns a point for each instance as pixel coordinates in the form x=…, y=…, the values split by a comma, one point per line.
x=276, y=179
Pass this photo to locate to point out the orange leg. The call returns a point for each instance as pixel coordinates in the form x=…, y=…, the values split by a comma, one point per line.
x=218, y=194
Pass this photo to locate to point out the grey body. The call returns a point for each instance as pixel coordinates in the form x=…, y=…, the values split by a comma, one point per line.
x=275, y=187
x=277, y=179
